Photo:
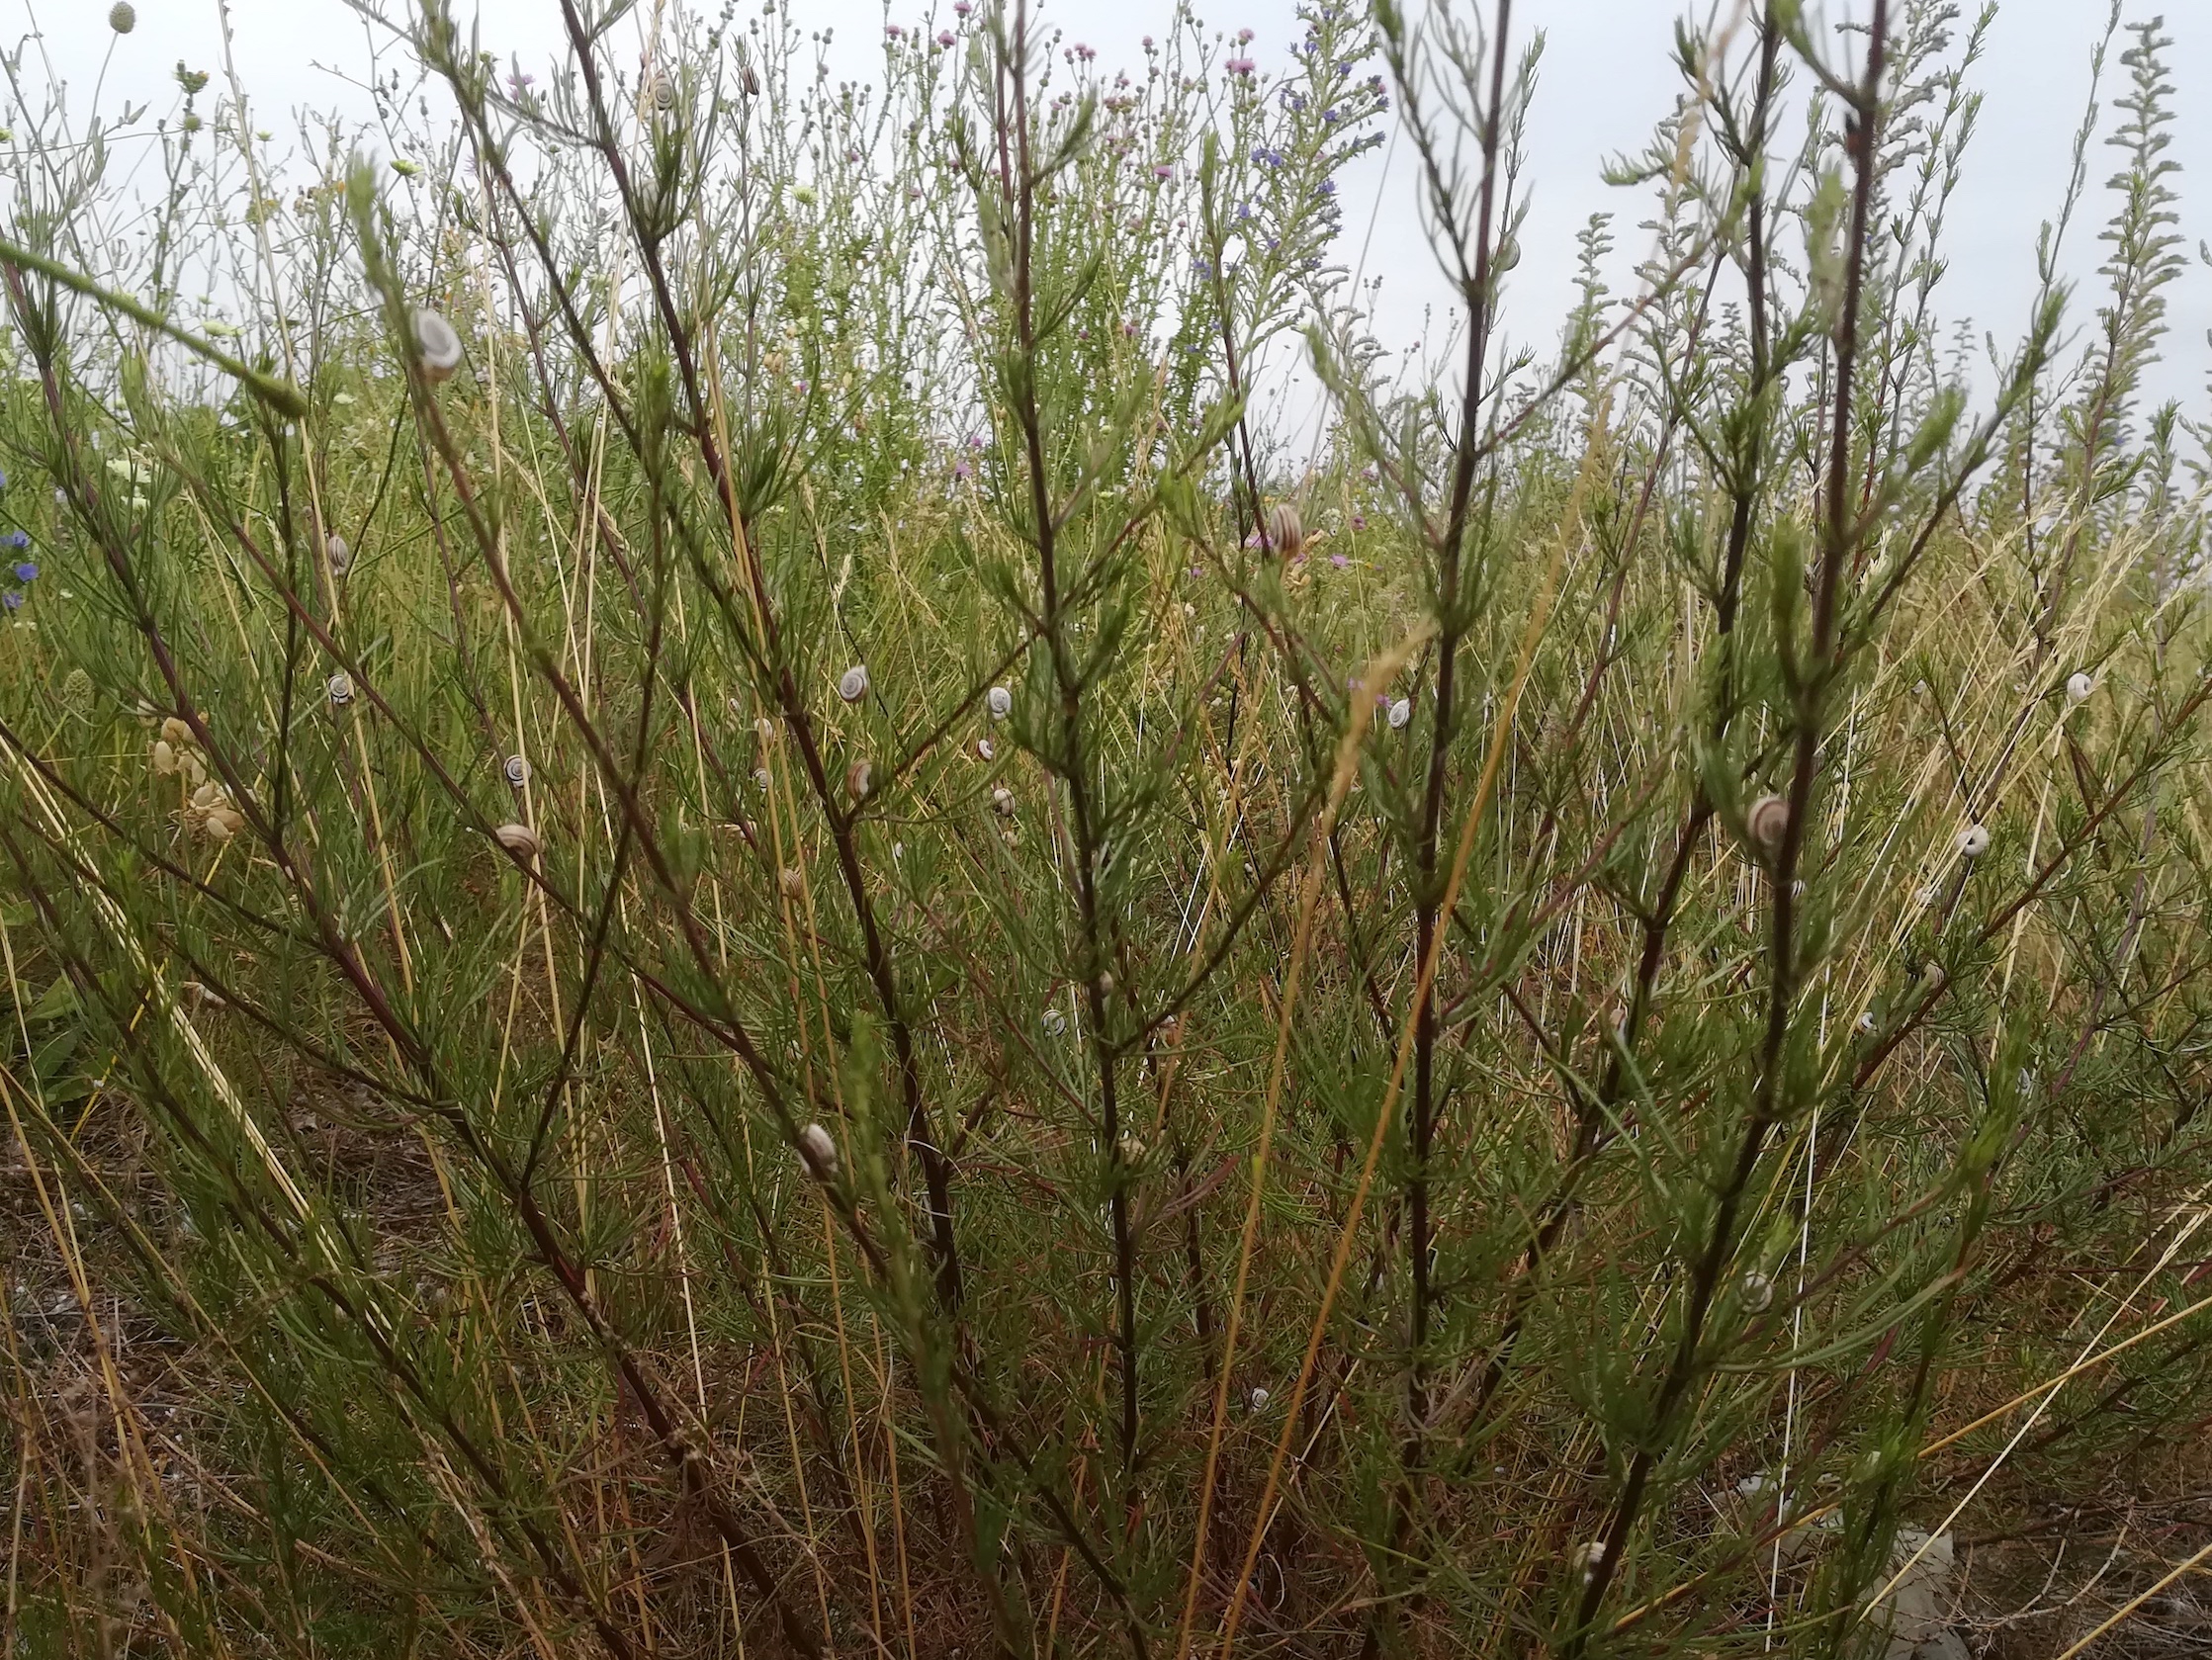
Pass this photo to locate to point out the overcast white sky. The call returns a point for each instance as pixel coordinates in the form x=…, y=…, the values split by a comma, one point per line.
x=1605, y=80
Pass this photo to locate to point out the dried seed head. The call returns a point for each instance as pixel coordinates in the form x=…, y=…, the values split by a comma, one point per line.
x=520, y=840
x=122, y=17
x=1002, y=802
x=340, y=555
x=340, y=689
x=438, y=347
x=819, y=1151
x=176, y=732
x=857, y=777
x=2079, y=685
x=792, y=882
x=986, y=749
x=1400, y=713
x=218, y=827
x=1973, y=842
x=1000, y=702
x=1756, y=1291
x=206, y=796
x=1768, y=822
x=1286, y=531
x=164, y=757
x=518, y=772
x=852, y=684
x=1053, y=1021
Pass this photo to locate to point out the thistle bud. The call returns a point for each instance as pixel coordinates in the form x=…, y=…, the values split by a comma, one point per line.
x=852, y=684
x=819, y=1151
x=438, y=347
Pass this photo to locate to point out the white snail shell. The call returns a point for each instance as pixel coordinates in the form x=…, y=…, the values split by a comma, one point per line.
x=1756, y=1290
x=2079, y=685
x=1002, y=802
x=1973, y=842
x=819, y=1151
x=1286, y=531
x=438, y=347
x=341, y=555
x=852, y=684
x=519, y=839
x=518, y=772
x=985, y=748
x=999, y=701
x=857, y=778
x=340, y=689
x=1054, y=1022
x=1768, y=822
x=1400, y=713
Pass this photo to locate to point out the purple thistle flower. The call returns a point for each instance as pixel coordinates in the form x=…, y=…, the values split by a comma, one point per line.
x=945, y=37
x=1239, y=66
x=1163, y=170
x=1340, y=562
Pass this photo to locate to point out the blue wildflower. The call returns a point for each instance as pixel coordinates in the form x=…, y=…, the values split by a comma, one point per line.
x=27, y=572
x=16, y=539
x=11, y=599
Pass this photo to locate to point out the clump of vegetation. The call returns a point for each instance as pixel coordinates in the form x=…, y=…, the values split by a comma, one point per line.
x=739, y=920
